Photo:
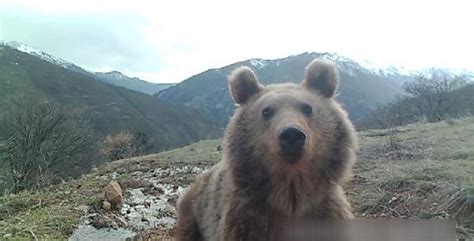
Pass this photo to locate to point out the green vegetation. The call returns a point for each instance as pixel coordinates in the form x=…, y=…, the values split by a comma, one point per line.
x=118, y=79
x=360, y=90
x=36, y=138
x=49, y=214
x=200, y=151
x=432, y=99
x=108, y=109
x=428, y=176
x=53, y=213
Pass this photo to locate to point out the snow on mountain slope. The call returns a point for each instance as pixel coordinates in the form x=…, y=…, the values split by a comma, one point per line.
x=341, y=62
x=40, y=54
x=114, y=77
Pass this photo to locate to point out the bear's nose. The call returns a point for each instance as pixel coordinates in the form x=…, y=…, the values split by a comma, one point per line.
x=292, y=140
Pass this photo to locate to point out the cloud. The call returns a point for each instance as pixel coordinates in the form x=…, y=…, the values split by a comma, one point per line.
x=91, y=40
x=170, y=41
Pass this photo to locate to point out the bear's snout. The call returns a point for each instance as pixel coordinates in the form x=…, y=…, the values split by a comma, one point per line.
x=292, y=141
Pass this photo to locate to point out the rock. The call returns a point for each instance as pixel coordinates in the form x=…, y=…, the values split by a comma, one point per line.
x=86, y=232
x=114, y=225
x=121, y=221
x=113, y=193
x=167, y=222
x=99, y=221
x=173, y=200
x=136, y=197
x=106, y=205
x=83, y=208
x=161, y=191
x=135, y=183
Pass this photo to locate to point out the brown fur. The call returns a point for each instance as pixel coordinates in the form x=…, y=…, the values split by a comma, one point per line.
x=253, y=191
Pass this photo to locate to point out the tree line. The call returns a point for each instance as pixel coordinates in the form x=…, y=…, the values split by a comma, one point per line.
x=430, y=99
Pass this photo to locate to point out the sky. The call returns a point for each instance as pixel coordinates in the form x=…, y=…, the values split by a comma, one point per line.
x=169, y=41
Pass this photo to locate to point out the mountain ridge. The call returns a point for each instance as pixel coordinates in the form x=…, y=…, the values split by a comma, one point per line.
x=208, y=91
x=111, y=77
x=117, y=78
x=110, y=109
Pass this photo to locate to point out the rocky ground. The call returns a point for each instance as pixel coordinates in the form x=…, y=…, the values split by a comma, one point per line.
x=422, y=171
x=147, y=210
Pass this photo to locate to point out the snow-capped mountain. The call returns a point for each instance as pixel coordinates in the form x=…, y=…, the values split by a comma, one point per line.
x=427, y=72
x=360, y=91
x=449, y=73
x=393, y=70
x=348, y=65
x=107, y=108
x=364, y=85
x=115, y=78
x=42, y=55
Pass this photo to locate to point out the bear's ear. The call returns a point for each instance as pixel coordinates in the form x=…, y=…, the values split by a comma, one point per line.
x=243, y=84
x=321, y=75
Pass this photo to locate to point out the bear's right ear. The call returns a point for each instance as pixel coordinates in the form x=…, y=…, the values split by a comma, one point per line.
x=243, y=84
x=321, y=75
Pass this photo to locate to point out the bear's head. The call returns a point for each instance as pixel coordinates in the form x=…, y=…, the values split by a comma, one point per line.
x=289, y=131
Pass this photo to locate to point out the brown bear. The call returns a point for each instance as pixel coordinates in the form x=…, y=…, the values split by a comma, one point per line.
x=287, y=151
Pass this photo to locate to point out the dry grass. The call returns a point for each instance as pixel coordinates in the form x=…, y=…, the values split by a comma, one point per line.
x=431, y=178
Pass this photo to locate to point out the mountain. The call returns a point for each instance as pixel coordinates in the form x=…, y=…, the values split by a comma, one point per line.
x=361, y=89
x=395, y=71
x=114, y=77
x=44, y=56
x=110, y=109
x=466, y=75
x=119, y=79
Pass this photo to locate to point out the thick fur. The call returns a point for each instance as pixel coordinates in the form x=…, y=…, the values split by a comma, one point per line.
x=253, y=191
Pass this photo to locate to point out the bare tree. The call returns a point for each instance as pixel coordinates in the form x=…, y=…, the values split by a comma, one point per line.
x=34, y=138
x=117, y=146
x=124, y=145
x=431, y=95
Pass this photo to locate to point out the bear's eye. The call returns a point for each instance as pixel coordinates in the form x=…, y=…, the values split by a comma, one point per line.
x=307, y=110
x=267, y=113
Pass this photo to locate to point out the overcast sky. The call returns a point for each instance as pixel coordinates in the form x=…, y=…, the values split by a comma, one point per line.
x=168, y=41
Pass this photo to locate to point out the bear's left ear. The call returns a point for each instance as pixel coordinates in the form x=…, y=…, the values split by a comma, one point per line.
x=243, y=84
x=321, y=75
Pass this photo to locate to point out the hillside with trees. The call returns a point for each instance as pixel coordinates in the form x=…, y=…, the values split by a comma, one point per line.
x=42, y=103
x=361, y=89
x=431, y=99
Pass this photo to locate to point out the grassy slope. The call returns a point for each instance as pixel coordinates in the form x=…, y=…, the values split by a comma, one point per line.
x=109, y=108
x=428, y=175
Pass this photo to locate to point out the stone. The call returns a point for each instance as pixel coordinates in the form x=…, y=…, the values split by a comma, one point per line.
x=82, y=208
x=113, y=193
x=114, y=225
x=106, y=205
